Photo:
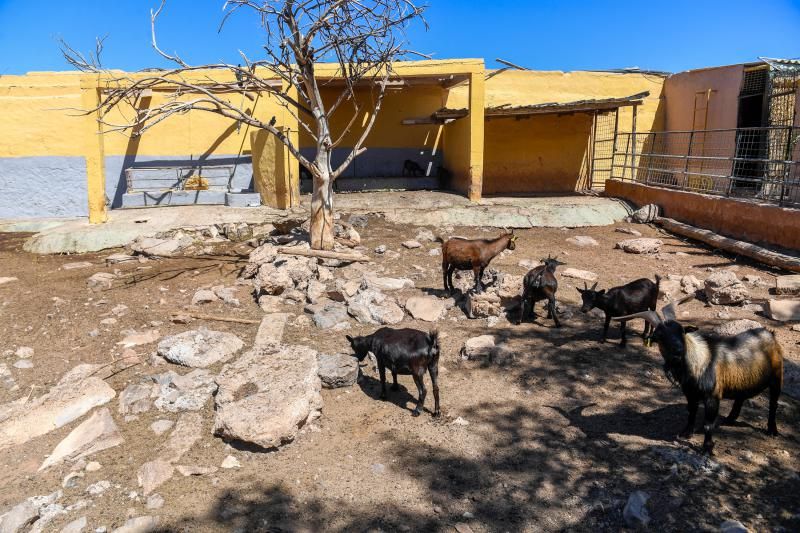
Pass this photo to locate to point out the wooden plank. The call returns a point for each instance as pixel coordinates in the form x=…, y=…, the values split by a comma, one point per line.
x=768, y=257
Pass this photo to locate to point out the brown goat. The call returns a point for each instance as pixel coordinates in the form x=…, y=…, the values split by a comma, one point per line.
x=472, y=254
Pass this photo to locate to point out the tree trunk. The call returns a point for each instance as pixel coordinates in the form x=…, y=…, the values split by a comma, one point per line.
x=322, y=214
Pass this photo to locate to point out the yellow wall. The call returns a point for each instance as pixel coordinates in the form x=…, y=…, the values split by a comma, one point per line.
x=538, y=154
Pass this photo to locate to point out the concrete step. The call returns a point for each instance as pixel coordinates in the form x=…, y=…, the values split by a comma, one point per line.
x=154, y=198
x=242, y=199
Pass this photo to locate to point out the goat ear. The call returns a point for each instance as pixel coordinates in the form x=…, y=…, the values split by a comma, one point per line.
x=601, y=291
x=349, y=339
x=579, y=290
x=690, y=328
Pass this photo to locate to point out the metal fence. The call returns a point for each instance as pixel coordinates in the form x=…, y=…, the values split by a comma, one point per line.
x=757, y=163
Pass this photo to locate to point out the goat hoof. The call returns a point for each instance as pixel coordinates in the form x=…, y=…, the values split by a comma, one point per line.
x=382, y=396
x=773, y=432
x=685, y=434
x=415, y=412
x=437, y=414
x=708, y=450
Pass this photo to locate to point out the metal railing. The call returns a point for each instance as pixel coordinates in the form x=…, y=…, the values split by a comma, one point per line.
x=758, y=163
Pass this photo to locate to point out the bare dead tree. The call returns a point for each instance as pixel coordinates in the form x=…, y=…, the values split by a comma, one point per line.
x=363, y=37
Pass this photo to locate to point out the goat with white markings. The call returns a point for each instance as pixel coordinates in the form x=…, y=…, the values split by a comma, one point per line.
x=710, y=368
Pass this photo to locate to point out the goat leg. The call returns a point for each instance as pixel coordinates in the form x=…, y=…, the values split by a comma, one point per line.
x=477, y=271
x=711, y=412
x=395, y=386
x=623, y=341
x=692, y=408
x=434, y=372
x=605, y=328
x=734, y=414
x=774, y=394
x=382, y=372
x=420, y=382
x=551, y=306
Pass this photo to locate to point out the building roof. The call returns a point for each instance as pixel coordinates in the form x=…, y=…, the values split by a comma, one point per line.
x=578, y=106
x=782, y=64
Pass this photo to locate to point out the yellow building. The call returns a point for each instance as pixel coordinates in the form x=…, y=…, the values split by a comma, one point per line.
x=470, y=130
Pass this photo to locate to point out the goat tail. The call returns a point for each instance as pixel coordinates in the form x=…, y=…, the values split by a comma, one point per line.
x=433, y=342
x=658, y=281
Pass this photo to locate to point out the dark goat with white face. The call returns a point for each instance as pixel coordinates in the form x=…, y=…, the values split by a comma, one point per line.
x=710, y=368
x=403, y=351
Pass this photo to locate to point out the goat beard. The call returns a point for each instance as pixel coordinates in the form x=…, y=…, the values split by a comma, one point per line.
x=674, y=372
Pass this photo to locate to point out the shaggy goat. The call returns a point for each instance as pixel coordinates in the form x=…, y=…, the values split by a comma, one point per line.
x=710, y=368
x=540, y=284
x=472, y=254
x=403, y=351
x=636, y=296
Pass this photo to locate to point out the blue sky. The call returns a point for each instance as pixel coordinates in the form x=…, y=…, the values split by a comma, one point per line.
x=551, y=35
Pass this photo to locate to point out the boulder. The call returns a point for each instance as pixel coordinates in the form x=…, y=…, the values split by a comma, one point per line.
x=226, y=294
x=137, y=398
x=266, y=253
x=269, y=303
x=189, y=392
x=427, y=308
x=478, y=347
x=328, y=315
x=643, y=245
x=668, y=288
x=97, y=433
x=346, y=233
x=152, y=246
x=160, y=427
x=411, y=244
x=271, y=280
x=153, y=474
x=635, y=513
x=76, y=526
x=579, y=274
x=337, y=370
x=139, y=524
x=188, y=430
x=732, y=526
x=101, y=281
x=386, y=284
x=784, y=310
x=236, y=232
x=27, y=512
x=203, y=296
x=77, y=393
x=316, y=291
x=199, y=348
x=582, y=241
x=734, y=327
x=724, y=288
x=645, y=215
x=267, y=395
x=690, y=284
x=787, y=285
x=373, y=307
x=483, y=305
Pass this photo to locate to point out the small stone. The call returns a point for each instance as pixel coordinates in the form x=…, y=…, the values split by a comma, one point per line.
x=204, y=296
x=435, y=252
x=98, y=488
x=24, y=352
x=102, y=281
x=119, y=310
x=93, y=466
x=783, y=310
x=425, y=235
x=461, y=527
x=337, y=370
x=160, y=427
x=640, y=246
x=378, y=468
x=732, y=526
x=7, y=280
x=154, y=501
x=381, y=249
x=582, y=241
x=635, y=513
x=411, y=244
x=199, y=348
x=478, y=347
x=71, y=480
x=76, y=526
x=231, y=462
x=23, y=364
x=629, y=231
x=579, y=274
x=460, y=422
x=139, y=524
x=134, y=338
x=108, y=321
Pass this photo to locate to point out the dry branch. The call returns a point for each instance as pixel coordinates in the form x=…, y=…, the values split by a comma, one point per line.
x=727, y=244
x=324, y=254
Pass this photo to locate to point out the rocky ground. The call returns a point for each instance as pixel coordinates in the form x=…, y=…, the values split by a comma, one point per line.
x=127, y=405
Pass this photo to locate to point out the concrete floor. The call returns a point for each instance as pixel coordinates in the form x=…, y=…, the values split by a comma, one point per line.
x=423, y=208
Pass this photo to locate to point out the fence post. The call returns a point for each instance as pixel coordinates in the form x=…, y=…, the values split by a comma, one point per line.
x=634, y=166
x=686, y=162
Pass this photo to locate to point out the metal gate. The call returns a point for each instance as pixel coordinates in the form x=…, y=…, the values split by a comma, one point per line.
x=604, y=139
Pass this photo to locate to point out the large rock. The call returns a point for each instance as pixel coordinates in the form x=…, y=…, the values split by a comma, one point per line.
x=267, y=395
x=582, y=240
x=189, y=392
x=187, y=431
x=153, y=474
x=579, y=274
x=77, y=393
x=645, y=214
x=784, y=310
x=483, y=305
x=76, y=526
x=724, y=288
x=97, y=433
x=101, y=281
x=327, y=315
x=478, y=347
x=386, y=284
x=266, y=253
x=137, y=398
x=27, y=512
x=134, y=338
x=337, y=370
x=316, y=291
x=139, y=524
x=153, y=246
x=635, y=513
x=690, y=284
x=734, y=327
x=374, y=307
x=272, y=280
x=199, y=348
x=270, y=331
x=643, y=245
x=787, y=285
x=427, y=308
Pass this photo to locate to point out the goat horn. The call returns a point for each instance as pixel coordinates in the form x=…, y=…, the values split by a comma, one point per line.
x=651, y=316
x=585, y=286
x=594, y=286
x=669, y=311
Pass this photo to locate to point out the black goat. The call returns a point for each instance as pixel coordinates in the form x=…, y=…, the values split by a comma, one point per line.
x=412, y=168
x=636, y=296
x=710, y=368
x=540, y=284
x=403, y=351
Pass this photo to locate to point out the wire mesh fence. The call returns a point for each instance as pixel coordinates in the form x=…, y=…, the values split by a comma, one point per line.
x=757, y=163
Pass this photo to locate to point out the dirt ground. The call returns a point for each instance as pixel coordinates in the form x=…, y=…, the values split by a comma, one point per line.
x=557, y=440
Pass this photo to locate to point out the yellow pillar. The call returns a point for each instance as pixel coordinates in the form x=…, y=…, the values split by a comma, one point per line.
x=476, y=123
x=94, y=152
